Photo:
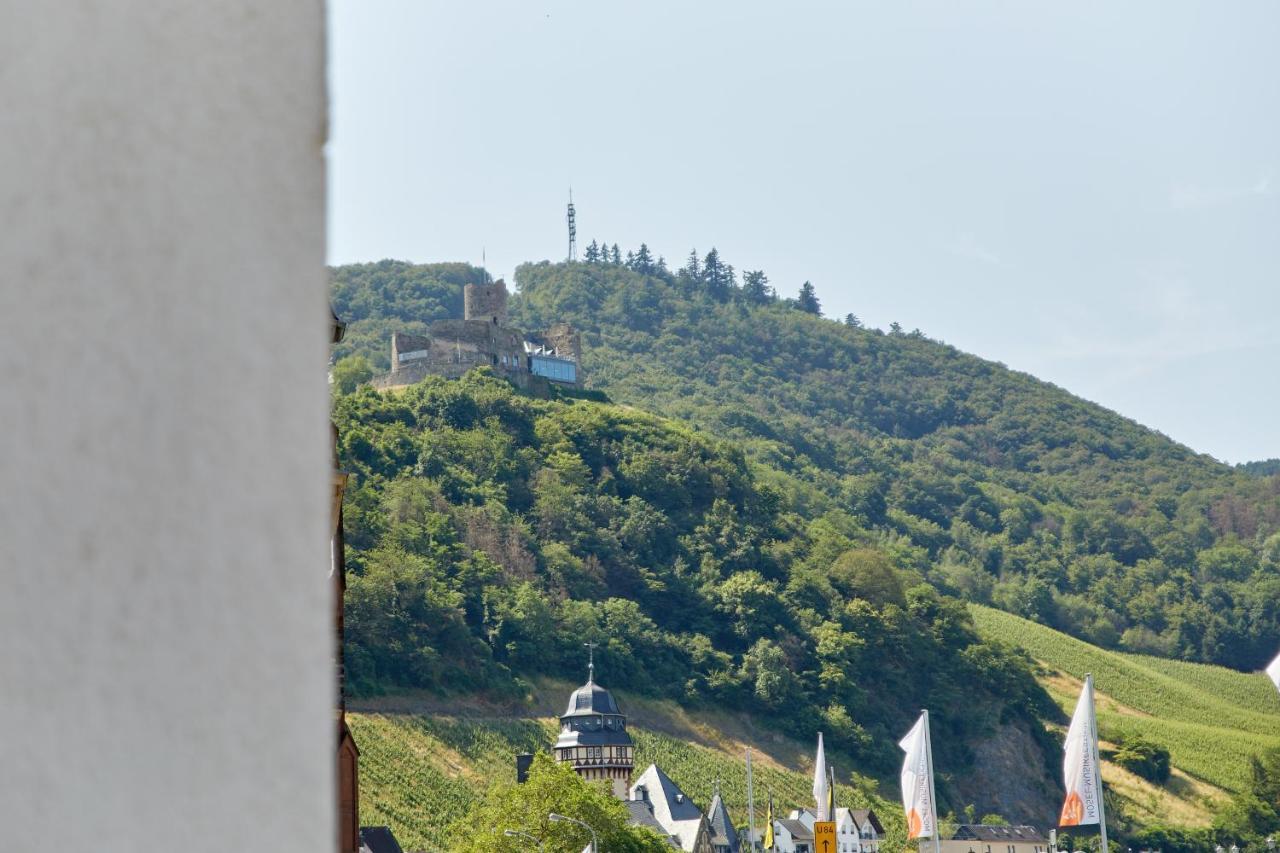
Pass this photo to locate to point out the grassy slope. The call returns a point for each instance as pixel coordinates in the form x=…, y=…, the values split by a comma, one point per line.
x=421, y=765
x=1210, y=718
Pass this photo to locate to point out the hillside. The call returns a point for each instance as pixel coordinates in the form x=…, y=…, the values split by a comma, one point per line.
x=991, y=484
x=1211, y=719
x=491, y=534
x=422, y=763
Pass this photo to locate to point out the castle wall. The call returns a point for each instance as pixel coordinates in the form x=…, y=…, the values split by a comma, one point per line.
x=486, y=302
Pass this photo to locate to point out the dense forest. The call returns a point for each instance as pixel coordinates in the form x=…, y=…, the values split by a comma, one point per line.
x=988, y=484
x=491, y=534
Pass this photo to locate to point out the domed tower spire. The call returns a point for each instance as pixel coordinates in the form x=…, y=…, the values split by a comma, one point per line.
x=593, y=735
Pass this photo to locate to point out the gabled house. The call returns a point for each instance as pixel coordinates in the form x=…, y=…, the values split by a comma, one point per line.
x=673, y=810
x=791, y=835
x=858, y=831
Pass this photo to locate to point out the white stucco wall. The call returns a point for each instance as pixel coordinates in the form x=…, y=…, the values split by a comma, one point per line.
x=165, y=679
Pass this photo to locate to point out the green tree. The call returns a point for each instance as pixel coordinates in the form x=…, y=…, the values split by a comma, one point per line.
x=350, y=373
x=755, y=287
x=592, y=254
x=1144, y=757
x=551, y=788
x=643, y=260
x=808, y=299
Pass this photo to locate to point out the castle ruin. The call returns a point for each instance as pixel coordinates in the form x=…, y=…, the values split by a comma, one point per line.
x=482, y=338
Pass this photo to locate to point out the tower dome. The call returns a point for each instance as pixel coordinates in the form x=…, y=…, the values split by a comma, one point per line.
x=594, y=738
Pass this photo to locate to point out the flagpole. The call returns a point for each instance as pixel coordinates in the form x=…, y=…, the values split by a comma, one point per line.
x=751, y=807
x=1097, y=765
x=933, y=796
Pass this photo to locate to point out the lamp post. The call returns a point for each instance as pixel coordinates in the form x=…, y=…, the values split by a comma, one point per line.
x=513, y=833
x=595, y=846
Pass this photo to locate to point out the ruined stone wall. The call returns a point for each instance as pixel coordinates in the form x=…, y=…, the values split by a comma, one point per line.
x=451, y=348
x=486, y=302
x=565, y=340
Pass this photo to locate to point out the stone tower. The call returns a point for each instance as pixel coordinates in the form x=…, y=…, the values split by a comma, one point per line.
x=486, y=302
x=594, y=739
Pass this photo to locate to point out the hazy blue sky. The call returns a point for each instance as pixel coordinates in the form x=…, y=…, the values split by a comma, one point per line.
x=1084, y=191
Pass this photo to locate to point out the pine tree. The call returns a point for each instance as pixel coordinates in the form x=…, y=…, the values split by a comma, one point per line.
x=808, y=300
x=689, y=276
x=593, y=253
x=713, y=276
x=615, y=257
x=630, y=262
x=852, y=320
x=755, y=287
x=661, y=266
x=895, y=328
x=644, y=260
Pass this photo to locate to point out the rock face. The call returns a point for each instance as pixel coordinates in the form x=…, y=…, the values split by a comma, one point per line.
x=1013, y=777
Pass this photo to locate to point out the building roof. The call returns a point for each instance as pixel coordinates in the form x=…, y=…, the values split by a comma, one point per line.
x=796, y=829
x=864, y=816
x=673, y=810
x=722, y=832
x=378, y=839
x=642, y=815
x=989, y=832
x=590, y=698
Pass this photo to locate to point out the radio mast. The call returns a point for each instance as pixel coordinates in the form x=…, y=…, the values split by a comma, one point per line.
x=573, y=230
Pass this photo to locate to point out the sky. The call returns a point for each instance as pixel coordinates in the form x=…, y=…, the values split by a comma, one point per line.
x=1085, y=191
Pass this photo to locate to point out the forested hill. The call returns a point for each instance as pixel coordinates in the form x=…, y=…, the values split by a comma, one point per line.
x=994, y=485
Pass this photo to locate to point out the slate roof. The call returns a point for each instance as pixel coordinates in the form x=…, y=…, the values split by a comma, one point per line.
x=862, y=816
x=642, y=815
x=671, y=807
x=722, y=832
x=590, y=698
x=379, y=839
x=987, y=832
x=796, y=829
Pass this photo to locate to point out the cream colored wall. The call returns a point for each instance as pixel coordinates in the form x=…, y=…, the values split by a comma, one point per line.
x=165, y=679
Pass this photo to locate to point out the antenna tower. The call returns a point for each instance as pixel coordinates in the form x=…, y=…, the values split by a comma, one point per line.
x=573, y=230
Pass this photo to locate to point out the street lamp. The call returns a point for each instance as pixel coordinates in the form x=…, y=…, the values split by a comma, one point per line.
x=513, y=833
x=595, y=847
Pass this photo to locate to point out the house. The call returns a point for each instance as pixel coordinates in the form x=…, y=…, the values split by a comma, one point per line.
x=857, y=830
x=791, y=835
x=673, y=810
x=984, y=838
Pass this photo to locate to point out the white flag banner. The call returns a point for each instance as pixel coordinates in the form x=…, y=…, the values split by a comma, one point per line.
x=916, y=786
x=1273, y=672
x=820, y=781
x=1079, y=770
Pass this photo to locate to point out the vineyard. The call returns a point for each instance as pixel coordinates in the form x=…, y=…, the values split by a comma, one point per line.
x=1210, y=718
x=419, y=773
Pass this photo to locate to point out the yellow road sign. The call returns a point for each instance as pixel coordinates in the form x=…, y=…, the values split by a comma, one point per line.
x=824, y=837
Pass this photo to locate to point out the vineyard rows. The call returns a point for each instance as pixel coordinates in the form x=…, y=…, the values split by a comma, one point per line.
x=1210, y=718
x=419, y=774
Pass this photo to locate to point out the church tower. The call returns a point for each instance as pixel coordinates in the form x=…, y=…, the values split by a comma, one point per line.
x=593, y=736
